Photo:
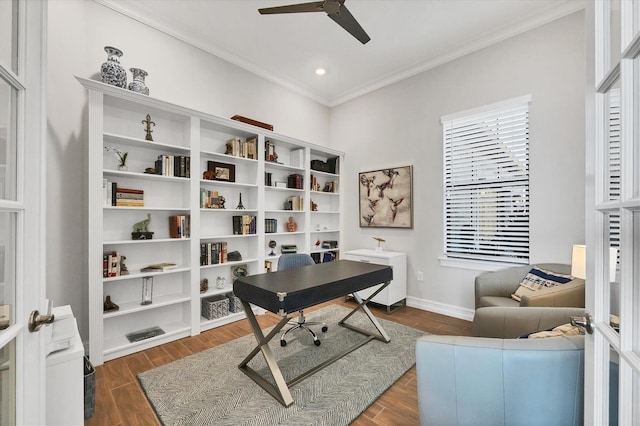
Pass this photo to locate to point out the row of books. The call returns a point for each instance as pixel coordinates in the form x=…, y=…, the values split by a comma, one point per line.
x=328, y=256
x=244, y=225
x=213, y=253
x=294, y=202
x=270, y=151
x=240, y=148
x=270, y=225
x=112, y=195
x=173, y=165
x=331, y=186
x=180, y=226
x=111, y=264
x=211, y=199
x=295, y=181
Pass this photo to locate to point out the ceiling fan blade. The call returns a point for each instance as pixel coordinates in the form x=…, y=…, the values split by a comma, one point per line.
x=315, y=6
x=345, y=19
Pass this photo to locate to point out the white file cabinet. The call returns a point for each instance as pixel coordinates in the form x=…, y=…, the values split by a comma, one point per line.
x=395, y=295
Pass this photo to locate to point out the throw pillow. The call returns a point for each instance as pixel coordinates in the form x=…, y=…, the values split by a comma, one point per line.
x=538, y=278
x=561, y=330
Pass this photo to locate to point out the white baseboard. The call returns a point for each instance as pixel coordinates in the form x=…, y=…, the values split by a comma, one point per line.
x=441, y=308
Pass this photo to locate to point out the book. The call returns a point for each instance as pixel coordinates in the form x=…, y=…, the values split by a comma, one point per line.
x=147, y=333
x=159, y=267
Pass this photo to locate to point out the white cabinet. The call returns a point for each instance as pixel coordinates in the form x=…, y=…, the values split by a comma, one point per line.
x=65, y=382
x=395, y=294
x=186, y=144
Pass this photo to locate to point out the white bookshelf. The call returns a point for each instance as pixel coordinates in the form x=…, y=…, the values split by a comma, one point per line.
x=115, y=117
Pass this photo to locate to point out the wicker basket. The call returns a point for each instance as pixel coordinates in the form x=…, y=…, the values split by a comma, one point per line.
x=234, y=303
x=215, y=306
x=89, y=388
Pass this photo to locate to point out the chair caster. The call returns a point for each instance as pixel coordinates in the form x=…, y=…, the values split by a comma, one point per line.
x=324, y=329
x=283, y=343
x=316, y=342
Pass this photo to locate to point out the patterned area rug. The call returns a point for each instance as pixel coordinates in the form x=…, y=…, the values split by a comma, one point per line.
x=207, y=388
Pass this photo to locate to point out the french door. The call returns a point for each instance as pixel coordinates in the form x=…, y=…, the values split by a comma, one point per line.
x=612, y=356
x=22, y=126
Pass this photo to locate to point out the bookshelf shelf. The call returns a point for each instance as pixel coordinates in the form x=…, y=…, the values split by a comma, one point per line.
x=196, y=142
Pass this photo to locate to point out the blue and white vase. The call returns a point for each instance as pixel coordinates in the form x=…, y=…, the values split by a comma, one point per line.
x=112, y=72
x=138, y=85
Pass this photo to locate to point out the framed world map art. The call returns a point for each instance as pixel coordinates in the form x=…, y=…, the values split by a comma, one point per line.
x=386, y=198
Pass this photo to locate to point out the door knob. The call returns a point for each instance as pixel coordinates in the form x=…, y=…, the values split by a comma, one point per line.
x=36, y=320
x=586, y=322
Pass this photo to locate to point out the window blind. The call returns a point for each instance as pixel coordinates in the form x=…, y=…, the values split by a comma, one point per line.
x=615, y=172
x=486, y=180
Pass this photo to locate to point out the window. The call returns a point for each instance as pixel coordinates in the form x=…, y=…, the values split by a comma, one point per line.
x=486, y=183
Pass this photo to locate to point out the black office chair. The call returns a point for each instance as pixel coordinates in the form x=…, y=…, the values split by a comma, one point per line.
x=290, y=261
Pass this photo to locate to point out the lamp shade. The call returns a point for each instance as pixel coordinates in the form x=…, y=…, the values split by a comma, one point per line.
x=579, y=261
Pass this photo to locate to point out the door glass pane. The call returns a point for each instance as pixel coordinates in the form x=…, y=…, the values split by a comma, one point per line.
x=612, y=154
x=7, y=269
x=614, y=32
x=614, y=367
x=8, y=34
x=8, y=383
x=8, y=141
x=636, y=126
x=612, y=287
x=635, y=282
x=636, y=16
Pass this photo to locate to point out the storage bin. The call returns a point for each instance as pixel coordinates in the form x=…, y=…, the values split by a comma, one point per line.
x=215, y=306
x=89, y=388
x=234, y=303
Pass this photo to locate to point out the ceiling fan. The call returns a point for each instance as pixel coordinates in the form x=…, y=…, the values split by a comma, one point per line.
x=335, y=9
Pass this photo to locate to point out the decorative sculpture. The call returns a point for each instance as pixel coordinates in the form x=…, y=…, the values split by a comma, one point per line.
x=141, y=229
x=109, y=305
x=292, y=226
x=147, y=129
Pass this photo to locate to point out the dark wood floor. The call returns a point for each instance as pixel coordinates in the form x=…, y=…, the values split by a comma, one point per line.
x=120, y=400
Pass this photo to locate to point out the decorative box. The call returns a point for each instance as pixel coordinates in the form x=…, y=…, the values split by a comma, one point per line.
x=215, y=306
x=234, y=303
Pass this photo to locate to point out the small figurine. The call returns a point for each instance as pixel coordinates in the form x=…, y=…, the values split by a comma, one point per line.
x=292, y=226
x=220, y=281
x=318, y=243
x=314, y=206
x=143, y=225
x=240, y=206
x=123, y=267
x=221, y=201
x=204, y=285
x=272, y=245
x=147, y=128
x=109, y=305
x=151, y=171
x=208, y=175
x=379, y=240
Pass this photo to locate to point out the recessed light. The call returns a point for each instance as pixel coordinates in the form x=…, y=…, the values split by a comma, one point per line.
x=321, y=71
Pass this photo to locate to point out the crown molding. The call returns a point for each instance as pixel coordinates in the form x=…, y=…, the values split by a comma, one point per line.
x=553, y=13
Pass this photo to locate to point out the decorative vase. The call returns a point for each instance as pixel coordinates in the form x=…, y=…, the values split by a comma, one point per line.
x=137, y=85
x=112, y=72
x=123, y=167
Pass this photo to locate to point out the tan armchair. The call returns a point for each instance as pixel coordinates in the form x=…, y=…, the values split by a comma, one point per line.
x=495, y=288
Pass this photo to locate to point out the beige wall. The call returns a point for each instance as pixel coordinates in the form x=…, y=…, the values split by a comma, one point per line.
x=400, y=125
x=178, y=73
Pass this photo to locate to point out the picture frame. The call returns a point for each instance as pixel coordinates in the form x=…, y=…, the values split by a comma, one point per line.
x=222, y=171
x=386, y=198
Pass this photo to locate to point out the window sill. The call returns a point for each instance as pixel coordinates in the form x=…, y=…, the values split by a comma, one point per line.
x=476, y=265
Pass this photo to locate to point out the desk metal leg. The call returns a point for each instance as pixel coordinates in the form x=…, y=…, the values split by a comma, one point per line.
x=281, y=390
x=384, y=337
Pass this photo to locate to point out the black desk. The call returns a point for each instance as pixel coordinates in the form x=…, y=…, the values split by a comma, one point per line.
x=285, y=292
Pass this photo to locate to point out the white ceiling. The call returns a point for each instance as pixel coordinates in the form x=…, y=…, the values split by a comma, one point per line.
x=407, y=36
